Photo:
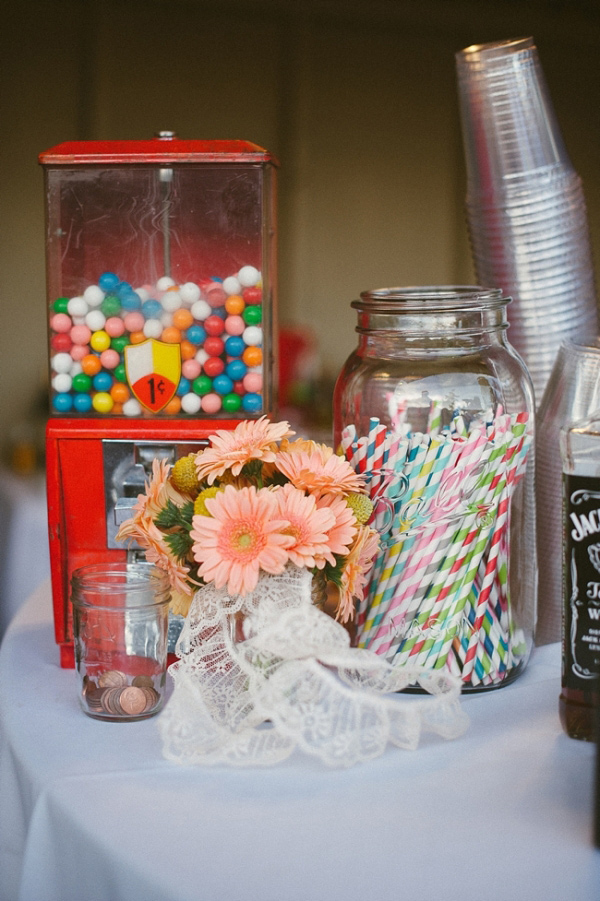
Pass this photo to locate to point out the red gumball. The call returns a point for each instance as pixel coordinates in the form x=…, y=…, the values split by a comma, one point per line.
x=213, y=366
x=214, y=325
x=61, y=342
x=252, y=295
x=214, y=346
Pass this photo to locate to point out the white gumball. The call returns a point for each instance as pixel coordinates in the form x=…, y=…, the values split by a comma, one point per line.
x=248, y=276
x=191, y=403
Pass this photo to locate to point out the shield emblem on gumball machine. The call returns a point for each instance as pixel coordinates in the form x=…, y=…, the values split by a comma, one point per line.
x=161, y=275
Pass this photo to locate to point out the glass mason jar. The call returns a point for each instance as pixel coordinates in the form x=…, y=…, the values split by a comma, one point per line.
x=120, y=624
x=436, y=409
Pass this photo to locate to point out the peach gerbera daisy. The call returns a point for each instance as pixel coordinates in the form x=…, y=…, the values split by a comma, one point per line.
x=307, y=525
x=230, y=450
x=317, y=471
x=242, y=536
x=356, y=570
x=341, y=534
x=159, y=490
x=307, y=445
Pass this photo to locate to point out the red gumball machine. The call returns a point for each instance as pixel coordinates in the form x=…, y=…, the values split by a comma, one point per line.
x=161, y=274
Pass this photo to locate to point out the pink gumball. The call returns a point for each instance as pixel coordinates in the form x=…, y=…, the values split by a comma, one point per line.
x=110, y=358
x=211, y=403
x=134, y=321
x=80, y=334
x=234, y=325
x=253, y=382
x=191, y=369
x=79, y=351
x=115, y=327
x=215, y=294
x=60, y=322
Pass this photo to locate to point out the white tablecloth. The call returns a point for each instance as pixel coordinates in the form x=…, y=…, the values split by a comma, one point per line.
x=90, y=810
x=24, y=555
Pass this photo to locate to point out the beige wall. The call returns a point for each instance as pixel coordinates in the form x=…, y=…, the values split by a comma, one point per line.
x=356, y=98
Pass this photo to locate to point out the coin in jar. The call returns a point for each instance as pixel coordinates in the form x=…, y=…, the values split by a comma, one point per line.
x=143, y=681
x=93, y=699
x=152, y=697
x=132, y=700
x=112, y=678
x=110, y=701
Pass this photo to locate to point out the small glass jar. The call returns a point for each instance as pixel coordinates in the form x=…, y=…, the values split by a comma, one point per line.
x=120, y=624
x=436, y=409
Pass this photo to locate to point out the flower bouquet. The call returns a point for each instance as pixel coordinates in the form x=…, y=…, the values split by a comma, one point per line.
x=255, y=502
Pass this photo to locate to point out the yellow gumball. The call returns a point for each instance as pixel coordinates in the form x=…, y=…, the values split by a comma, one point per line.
x=100, y=340
x=102, y=402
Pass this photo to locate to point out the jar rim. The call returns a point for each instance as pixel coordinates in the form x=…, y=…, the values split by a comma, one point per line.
x=431, y=298
x=105, y=579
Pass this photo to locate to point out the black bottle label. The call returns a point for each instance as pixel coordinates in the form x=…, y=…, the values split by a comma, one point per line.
x=581, y=568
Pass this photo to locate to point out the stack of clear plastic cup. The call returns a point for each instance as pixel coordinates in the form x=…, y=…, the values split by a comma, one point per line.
x=525, y=207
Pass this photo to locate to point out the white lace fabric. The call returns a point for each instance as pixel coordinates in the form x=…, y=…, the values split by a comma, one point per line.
x=291, y=682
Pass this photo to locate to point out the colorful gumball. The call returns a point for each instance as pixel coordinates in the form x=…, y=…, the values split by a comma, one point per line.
x=171, y=335
x=235, y=325
x=100, y=341
x=235, y=304
x=253, y=382
x=91, y=364
x=214, y=325
x=110, y=358
x=191, y=369
x=61, y=343
x=182, y=319
x=61, y=323
x=214, y=346
x=252, y=403
x=252, y=356
x=202, y=385
x=211, y=403
x=80, y=334
x=214, y=366
x=232, y=403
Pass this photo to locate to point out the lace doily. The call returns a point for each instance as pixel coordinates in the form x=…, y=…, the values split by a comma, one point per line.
x=291, y=681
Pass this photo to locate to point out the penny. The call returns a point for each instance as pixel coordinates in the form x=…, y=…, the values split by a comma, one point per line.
x=132, y=700
x=89, y=685
x=112, y=678
x=143, y=682
x=93, y=698
x=110, y=701
x=152, y=697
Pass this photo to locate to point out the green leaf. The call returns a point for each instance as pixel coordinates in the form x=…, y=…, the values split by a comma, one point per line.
x=168, y=517
x=180, y=544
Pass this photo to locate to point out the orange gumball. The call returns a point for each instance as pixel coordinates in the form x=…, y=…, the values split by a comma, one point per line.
x=137, y=337
x=119, y=393
x=173, y=407
x=252, y=356
x=182, y=319
x=188, y=350
x=171, y=335
x=117, y=408
x=235, y=305
x=91, y=364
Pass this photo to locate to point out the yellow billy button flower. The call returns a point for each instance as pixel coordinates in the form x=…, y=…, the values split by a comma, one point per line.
x=183, y=474
x=361, y=506
x=199, y=505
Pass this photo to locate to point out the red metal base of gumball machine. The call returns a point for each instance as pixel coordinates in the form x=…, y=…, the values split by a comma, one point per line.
x=77, y=496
